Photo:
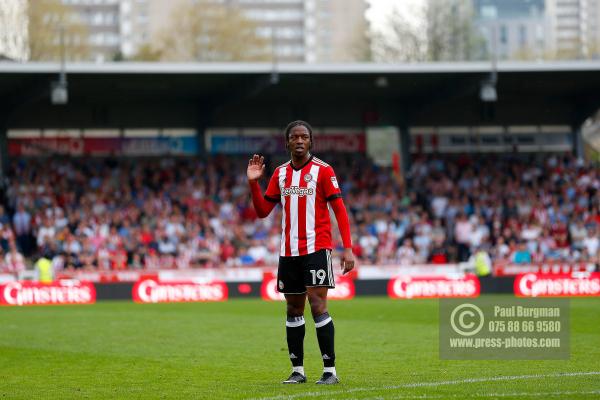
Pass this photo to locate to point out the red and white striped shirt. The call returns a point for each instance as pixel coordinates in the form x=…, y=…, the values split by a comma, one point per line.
x=304, y=193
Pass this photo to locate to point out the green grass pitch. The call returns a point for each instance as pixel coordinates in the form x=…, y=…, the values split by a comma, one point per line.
x=236, y=349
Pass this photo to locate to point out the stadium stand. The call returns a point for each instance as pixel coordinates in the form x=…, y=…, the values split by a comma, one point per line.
x=110, y=214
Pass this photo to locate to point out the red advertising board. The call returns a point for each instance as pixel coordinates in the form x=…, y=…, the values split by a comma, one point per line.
x=567, y=285
x=155, y=291
x=59, y=292
x=557, y=268
x=349, y=143
x=150, y=146
x=40, y=146
x=344, y=289
x=428, y=287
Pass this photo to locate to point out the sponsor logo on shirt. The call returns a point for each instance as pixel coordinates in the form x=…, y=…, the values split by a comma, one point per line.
x=297, y=191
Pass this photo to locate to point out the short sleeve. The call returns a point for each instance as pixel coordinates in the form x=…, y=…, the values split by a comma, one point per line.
x=273, y=193
x=329, y=184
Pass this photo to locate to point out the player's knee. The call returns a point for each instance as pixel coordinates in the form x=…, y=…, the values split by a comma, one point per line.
x=318, y=305
x=294, y=310
x=318, y=308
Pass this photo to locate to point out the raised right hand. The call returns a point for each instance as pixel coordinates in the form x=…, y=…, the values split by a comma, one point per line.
x=256, y=167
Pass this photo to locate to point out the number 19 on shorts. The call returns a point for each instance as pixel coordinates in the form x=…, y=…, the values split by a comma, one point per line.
x=318, y=275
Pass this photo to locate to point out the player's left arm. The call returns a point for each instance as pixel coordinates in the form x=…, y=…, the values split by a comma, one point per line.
x=333, y=195
x=339, y=209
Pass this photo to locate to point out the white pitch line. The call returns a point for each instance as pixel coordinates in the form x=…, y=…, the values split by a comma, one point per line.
x=431, y=384
x=483, y=395
x=535, y=394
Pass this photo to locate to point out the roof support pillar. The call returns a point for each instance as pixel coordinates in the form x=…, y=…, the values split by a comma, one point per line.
x=577, y=140
x=205, y=112
x=4, y=162
x=404, y=133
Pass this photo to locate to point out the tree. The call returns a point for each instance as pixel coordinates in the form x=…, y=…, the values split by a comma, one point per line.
x=399, y=41
x=360, y=47
x=594, y=50
x=574, y=53
x=13, y=30
x=46, y=19
x=525, y=53
x=446, y=33
x=451, y=34
x=206, y=31
x=147, y=53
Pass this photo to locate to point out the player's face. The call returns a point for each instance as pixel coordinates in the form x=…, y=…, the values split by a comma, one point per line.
x=299, y=141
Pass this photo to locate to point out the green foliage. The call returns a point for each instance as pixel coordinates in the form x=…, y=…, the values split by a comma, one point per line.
x=46, y=20
x=208, y=32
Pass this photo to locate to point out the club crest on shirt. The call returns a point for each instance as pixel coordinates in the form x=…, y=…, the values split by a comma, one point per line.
x=334, y=182
x=280, y=285
x=307, y=178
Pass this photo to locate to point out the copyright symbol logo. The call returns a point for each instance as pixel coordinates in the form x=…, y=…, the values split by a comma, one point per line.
x=467, y=319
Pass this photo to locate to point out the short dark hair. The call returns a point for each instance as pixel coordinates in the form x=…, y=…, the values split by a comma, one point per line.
x=296, y=123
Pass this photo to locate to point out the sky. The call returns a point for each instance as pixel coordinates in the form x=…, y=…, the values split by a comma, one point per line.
x=378, y=9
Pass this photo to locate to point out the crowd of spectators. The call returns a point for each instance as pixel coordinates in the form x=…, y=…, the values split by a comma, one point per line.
x=106, y=214
x=518, y=210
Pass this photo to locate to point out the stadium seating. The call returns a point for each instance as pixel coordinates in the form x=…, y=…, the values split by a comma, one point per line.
x=112, y=214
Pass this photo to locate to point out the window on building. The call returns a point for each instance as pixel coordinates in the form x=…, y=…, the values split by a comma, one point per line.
x=522, y=35
x=110, y=18
x=264, y=31
x=112, y=39
x=539, y=33
x=289, y=33
x=97, y=19
x=274, y=15
x=503, y=34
